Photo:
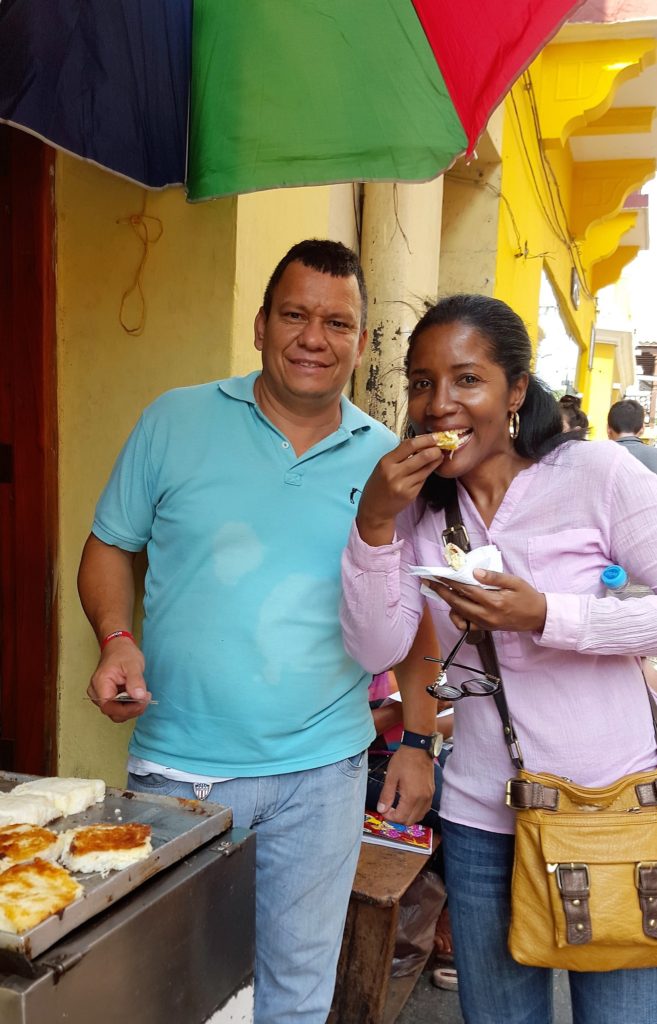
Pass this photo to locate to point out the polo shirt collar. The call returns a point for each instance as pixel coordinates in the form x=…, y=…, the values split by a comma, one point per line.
x=353, y=418
x=241, y=388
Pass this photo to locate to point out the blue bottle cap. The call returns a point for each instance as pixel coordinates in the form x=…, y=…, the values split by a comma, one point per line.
x=613, y=577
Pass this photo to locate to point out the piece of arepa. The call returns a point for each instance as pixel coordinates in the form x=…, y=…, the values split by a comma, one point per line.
x=21, y=843
x=105, y=848
x=29, y=893
x=70, y=796
x=26, y=809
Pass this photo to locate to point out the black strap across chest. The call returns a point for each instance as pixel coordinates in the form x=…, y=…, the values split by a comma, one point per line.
x=455, y=533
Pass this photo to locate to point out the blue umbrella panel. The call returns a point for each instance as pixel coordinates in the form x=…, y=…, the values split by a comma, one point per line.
x=107, y=80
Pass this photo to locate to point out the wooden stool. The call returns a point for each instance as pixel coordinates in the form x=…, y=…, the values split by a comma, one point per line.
x=364, y=991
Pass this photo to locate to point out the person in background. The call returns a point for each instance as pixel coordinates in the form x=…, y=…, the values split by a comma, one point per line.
x=572, y=416
x=243, y=491
x=562, y=645
x=625, y=422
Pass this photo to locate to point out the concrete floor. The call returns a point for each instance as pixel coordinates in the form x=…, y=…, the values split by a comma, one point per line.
x=429, y=1005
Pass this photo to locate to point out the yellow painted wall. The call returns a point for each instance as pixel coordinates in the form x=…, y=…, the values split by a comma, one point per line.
x=199, y=317
x=600, y=393
x=268, y=224
x=548, y=200
x=527, y=240
x=105, y=377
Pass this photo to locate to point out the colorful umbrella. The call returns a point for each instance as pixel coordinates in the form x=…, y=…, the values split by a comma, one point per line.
x=107, y=80
x=283, y=92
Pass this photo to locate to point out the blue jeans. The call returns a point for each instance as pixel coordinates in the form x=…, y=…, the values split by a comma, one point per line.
x=493, y=988
x=308, y=826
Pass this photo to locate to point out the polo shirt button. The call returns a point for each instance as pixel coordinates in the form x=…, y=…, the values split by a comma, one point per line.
x=285, y=444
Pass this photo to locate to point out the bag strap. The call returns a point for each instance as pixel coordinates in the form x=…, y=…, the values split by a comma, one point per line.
x=653, y=706
x=456, y=533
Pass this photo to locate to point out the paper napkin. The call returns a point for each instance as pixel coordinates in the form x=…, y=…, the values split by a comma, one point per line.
x=487, y=557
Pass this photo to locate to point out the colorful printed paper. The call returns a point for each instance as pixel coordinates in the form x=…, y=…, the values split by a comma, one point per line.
x=412, y=838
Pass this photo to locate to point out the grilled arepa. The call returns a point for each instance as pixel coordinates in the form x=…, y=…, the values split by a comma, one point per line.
x=29, y=893
x=20, y=843
x=448, y=440
x=454, y=556
x=105, y=848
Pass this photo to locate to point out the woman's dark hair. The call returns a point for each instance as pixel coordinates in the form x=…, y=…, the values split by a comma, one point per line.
x=573, y=414
x=541, y=429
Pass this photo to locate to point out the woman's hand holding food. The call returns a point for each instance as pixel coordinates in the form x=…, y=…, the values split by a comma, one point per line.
x=515, y=606
x=395, y=482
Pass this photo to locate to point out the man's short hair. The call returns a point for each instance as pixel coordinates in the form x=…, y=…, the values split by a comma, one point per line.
x=327, y=257
x=626, y=417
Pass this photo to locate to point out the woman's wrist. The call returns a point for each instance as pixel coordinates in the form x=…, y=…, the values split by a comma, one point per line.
x=541, y=614
x=375, y=532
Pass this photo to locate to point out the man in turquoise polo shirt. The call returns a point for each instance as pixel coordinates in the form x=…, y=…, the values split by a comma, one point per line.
x=243, y=491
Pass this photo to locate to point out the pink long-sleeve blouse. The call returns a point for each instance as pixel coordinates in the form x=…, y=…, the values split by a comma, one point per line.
x=575, y=690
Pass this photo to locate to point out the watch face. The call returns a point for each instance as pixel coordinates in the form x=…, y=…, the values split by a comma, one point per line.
x=432, y=745
x=436, y=744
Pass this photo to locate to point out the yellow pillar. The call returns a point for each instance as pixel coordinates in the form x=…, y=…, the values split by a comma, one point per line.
x=400, y=254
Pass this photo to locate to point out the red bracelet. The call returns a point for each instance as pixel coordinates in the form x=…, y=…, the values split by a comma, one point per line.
x=112, y=636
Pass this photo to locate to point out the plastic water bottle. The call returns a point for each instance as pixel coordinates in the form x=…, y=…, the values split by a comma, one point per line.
x=618, y=584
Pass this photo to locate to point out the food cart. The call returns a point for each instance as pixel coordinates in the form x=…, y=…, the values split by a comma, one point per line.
x=168, y=940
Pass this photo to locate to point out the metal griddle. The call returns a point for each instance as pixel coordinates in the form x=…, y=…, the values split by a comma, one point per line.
x=178, y=828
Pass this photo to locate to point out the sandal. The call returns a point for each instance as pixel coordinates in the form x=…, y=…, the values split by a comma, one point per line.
x=445, y=978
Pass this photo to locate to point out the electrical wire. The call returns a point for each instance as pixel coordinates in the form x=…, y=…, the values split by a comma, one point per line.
x=551, y=217
x=477, y=183
x=554, y=189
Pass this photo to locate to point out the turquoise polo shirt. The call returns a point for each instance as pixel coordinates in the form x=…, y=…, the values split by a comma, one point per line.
x=241, y=633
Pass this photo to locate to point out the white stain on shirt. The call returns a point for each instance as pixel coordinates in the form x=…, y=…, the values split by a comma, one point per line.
x=292, y=627
x=237, y=551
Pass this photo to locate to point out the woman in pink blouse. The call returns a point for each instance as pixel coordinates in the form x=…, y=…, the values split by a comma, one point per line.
x=559, y=510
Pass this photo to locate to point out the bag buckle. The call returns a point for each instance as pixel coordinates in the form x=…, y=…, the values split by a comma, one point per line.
x=645, y=880
x=457, y=535
x=572, y=866
x=508, y=798
x=649, y=864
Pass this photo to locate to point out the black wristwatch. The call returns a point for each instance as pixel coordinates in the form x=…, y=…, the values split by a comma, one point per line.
x=432, y=743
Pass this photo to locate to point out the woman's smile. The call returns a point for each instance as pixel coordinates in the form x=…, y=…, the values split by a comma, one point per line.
x=453, y=385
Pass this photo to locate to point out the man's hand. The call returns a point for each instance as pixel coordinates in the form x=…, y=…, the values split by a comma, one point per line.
x=515, y=606
x=120, y=670
x=411, y=774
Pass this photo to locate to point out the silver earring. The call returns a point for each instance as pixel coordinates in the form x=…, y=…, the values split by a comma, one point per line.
x=514, y=425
